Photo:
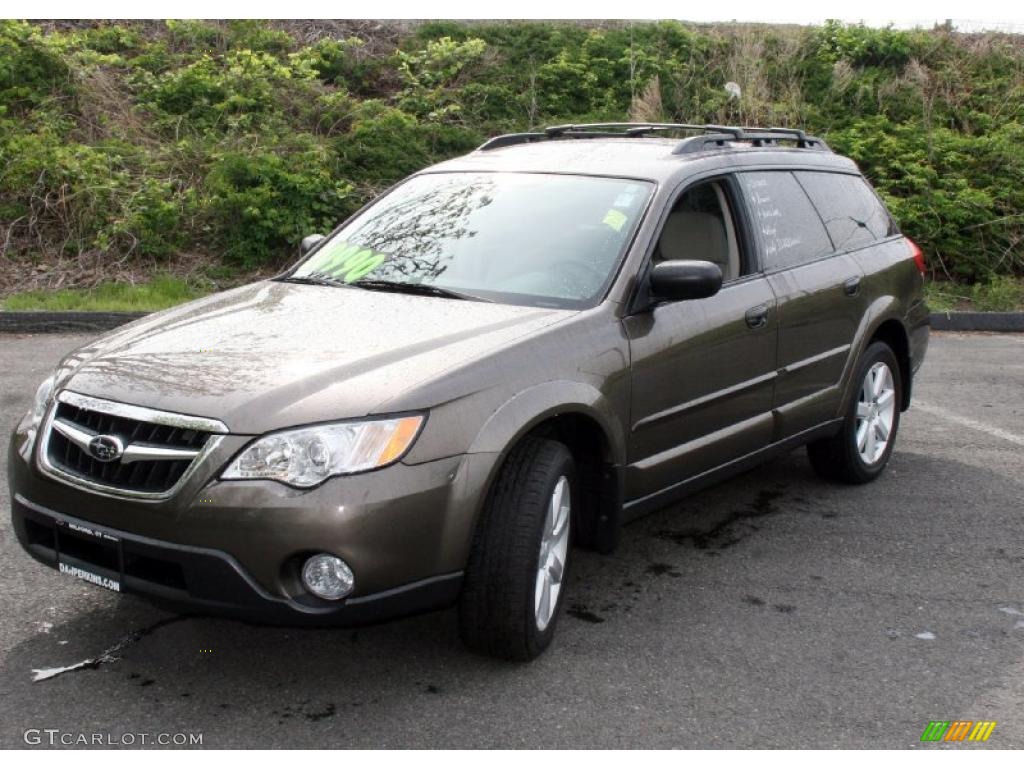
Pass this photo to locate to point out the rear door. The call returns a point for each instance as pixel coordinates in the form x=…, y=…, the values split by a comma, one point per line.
x=702, y=370
x=817, y=286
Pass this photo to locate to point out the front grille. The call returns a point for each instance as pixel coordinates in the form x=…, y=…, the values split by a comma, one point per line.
x=139, y=476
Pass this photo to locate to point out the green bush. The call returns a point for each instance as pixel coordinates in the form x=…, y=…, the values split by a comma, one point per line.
x=72, y=188
x=31, y=71
x=262, y=204
x=195, y=36
x=234, y=91
x=112, y=39
x=386, y=144
x=151, y=219
x=430, y=76
x=338, y=62
x=234, y=139
x=958, y=196
x=863, y=45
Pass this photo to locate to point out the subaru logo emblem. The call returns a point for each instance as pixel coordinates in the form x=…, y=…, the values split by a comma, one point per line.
x=106, y=448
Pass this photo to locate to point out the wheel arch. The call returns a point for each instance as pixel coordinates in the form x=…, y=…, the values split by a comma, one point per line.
x=881, y=322
x=893, y=333
x=580, y=417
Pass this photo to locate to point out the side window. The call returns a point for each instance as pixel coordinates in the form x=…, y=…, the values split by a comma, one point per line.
x=784, y=220
x=852, y=213
x=701, y=226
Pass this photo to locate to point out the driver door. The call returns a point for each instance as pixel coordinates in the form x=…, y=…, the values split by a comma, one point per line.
x=703, y=370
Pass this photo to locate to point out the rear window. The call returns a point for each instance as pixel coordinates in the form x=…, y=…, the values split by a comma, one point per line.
x=853, y=214
x=786, y=223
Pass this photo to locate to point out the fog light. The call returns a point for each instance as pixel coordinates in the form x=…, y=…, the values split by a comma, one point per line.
x=328, y=577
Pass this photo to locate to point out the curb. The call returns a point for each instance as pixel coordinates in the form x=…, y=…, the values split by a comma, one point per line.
x=1000, y=322
x=64, y=322
x=83, y=322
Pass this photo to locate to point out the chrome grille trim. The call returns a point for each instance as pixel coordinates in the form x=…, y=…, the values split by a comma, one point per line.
x=217, y=430
x=139, y=413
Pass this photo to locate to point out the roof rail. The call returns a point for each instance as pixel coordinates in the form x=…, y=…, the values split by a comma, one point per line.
x=756, y=137
x=508, y=139
x=709, y=136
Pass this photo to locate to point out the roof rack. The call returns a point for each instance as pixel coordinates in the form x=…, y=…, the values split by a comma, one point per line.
x=708, y=136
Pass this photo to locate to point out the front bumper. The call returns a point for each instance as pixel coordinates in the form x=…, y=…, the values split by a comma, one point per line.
x=235, y=547
x=199, y=580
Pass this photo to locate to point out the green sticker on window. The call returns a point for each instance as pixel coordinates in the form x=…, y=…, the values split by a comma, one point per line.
x=345, y=261
x=615, y=219
x=338, y=256
x=364, y=263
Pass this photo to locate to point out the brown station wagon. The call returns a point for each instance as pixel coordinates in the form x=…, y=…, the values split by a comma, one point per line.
x=506, y=356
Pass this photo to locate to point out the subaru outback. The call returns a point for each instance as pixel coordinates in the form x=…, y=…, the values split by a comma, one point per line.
x=506, y=356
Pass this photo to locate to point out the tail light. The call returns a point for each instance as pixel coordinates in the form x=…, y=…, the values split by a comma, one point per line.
x=918, y=254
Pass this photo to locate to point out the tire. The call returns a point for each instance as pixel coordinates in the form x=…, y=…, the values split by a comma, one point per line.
x=499, y=613
x=847, y=456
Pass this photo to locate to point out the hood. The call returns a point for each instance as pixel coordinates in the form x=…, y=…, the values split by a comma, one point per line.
x=273, y=355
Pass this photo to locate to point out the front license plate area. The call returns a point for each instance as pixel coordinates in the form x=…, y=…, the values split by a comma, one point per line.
x=88, y=554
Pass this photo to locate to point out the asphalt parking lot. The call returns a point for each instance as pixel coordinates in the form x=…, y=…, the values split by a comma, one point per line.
x=772, y=611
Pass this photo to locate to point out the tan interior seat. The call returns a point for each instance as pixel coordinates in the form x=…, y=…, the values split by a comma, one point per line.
x=694, y=235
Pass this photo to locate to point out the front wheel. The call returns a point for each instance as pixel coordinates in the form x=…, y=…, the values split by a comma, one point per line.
x=861, y=449
x=515, y=580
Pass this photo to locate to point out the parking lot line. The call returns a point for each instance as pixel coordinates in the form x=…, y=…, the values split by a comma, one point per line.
x=948, y=415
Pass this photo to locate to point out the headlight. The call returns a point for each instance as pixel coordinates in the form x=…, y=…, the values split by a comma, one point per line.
x=306, y=457
x=34, y=417
x=42, y=401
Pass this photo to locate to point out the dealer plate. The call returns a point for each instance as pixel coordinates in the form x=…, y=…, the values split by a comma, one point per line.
x=77, y=544
x=93, y=578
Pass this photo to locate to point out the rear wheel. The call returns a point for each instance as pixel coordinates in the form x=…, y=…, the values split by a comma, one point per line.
x=861, y=449
x=515, y=579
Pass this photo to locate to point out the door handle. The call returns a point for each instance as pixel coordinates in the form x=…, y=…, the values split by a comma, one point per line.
x=757, y=317
x=851, y=286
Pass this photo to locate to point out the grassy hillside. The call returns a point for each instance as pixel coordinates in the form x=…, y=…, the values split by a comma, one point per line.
x=205, y=151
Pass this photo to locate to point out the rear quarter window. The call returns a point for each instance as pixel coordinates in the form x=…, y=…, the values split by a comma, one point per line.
x=785, y=222
x=853, y=214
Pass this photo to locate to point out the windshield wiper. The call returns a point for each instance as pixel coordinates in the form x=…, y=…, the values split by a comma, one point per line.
x=314, y=278
x=418, y=289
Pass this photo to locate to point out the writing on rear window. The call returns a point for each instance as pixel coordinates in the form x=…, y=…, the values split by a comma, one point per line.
x=786, y=223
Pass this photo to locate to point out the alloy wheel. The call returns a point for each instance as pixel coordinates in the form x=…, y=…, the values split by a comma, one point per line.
x=554, y=547
x=876, y=412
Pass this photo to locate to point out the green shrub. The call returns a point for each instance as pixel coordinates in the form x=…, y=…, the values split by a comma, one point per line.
x=863, y=45
x=338, y=62
x=236, y=138
x=195, y=36
x=111, y=39
x=958, y=196
x=387, y=144
x=261, y=204
x=430, y=76
x=30, y=69
x=150, y=220
x=254, y=35
x=234, y=91
x=384, y=145
x=566, y=86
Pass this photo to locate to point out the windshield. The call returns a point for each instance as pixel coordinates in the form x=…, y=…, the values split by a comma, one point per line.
x=520, y=238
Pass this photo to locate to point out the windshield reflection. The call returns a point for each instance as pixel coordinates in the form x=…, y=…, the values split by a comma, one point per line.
x=519, y=238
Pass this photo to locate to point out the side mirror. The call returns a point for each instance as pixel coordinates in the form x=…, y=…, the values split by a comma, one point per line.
x=678, y=280
x=309, y=242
